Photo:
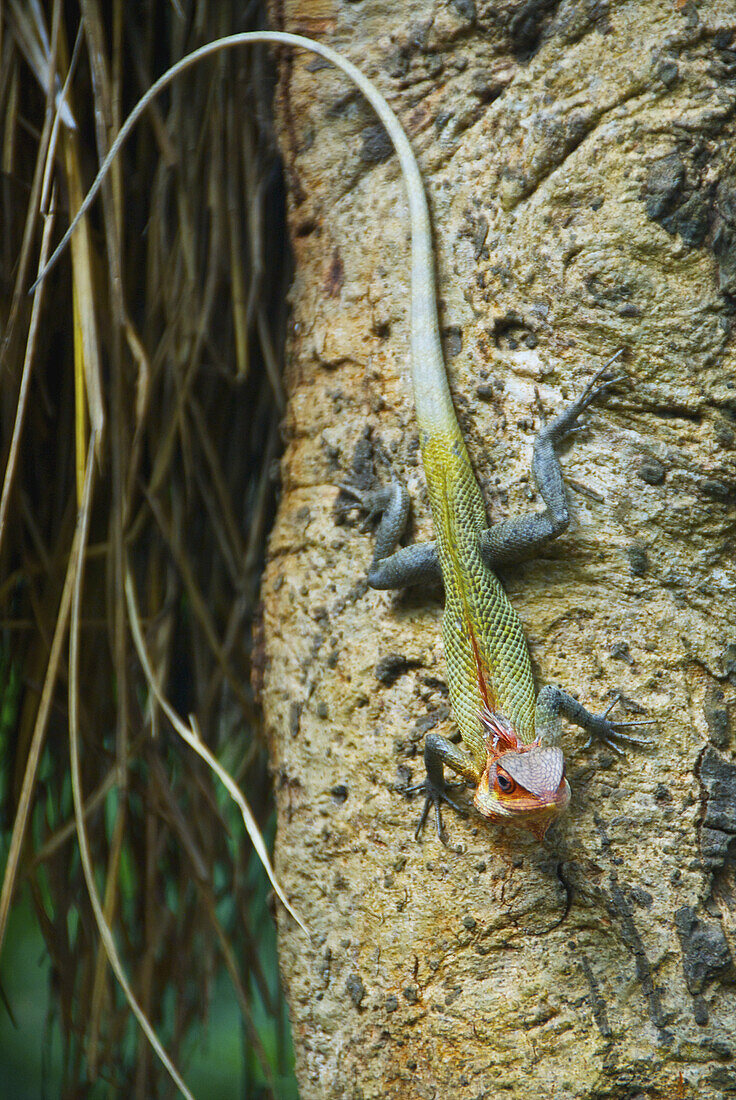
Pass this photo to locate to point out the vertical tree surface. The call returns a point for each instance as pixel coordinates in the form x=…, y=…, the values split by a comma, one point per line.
x=580, y=161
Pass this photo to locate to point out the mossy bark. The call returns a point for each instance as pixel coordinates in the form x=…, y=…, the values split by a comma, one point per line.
x=579, y=160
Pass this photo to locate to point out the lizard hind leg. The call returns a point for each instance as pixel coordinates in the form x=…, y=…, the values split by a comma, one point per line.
x=418, y=564
x=514, y=540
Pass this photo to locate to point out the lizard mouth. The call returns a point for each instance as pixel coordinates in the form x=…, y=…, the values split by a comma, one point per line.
x=527, y=789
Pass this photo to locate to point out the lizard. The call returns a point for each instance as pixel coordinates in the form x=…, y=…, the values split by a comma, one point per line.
x=511, y=734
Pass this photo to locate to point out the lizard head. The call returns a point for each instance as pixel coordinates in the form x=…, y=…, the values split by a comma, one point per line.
x=526, y=788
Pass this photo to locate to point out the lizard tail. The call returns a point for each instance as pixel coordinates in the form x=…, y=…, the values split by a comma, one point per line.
x=434, y=408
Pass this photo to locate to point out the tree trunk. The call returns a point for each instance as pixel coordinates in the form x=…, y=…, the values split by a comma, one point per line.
x=579, y=160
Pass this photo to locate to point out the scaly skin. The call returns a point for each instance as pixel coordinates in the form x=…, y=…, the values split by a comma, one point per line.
x=474, y=601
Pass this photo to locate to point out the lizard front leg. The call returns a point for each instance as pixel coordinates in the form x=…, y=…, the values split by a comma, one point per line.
x=554, y=703
x=391, y=568
x=516, y=539
x=438, y=752
x=413, y=565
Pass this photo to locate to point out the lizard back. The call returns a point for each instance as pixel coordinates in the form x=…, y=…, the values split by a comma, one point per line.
x=476, y=606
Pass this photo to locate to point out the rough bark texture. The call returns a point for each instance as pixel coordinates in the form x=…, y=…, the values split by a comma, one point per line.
x=581, y=167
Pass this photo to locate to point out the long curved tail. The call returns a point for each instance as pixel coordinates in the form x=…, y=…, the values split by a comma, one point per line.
x=434, y=406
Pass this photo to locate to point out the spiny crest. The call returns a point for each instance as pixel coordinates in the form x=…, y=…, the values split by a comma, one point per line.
x=500, y=737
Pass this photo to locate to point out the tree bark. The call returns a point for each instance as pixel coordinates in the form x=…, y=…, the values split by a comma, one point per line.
x=579, y=160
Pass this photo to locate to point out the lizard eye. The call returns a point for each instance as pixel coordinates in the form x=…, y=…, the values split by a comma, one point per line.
x=504, y=783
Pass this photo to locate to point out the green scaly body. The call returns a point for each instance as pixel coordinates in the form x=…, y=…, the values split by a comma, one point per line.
x=474, y=600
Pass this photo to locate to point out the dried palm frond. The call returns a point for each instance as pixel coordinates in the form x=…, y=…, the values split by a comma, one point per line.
x=147, y=364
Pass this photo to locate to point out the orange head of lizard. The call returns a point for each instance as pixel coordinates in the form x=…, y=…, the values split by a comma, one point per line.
x=526, y=788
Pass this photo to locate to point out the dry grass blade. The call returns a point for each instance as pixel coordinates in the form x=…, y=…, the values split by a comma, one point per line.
x=64, y=834
x=33, y=209
x=30, y=31
x=112, y=875
x=231, y=963
x=102, y=925
x=20, y=409
x=39, y=732
x=231, y=542
x=193, y=739
x=88, y=385
x=235, y=236
x=199, y=604
x=48, y=172
x=152, y=330
x=20, y=821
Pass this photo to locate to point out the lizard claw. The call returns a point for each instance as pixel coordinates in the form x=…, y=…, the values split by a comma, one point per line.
x=601, y=381
x=376, y=502
x=434, y=796
x=365, y=499
x=566, y=422
x=606, y=730
x=353, y=491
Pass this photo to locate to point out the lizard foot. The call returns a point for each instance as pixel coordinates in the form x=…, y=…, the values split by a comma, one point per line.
x=601, y=381
x=566, y=422
x=435, y=796
x=375, y=502
x=610, y=731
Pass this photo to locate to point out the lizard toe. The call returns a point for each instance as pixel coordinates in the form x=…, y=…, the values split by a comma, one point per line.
x=434, y=796
x=612, y=732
